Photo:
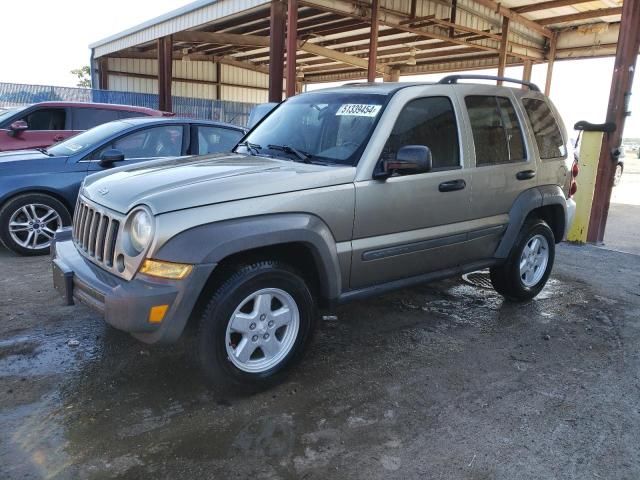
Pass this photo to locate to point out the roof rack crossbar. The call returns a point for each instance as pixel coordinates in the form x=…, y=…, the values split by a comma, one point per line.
x=452, y=79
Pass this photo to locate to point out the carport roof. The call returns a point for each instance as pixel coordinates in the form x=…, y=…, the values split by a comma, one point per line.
x=415, y=36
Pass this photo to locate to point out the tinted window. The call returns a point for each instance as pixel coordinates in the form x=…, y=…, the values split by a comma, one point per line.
x=86, y=118
x=6, y=114
x=163, y=141
x=430, y=122
x=46, y=119
x=128, y=114
x=329, y=127
x=89, y=139
x=216, y=139
x=545, y=128
x=497, y=136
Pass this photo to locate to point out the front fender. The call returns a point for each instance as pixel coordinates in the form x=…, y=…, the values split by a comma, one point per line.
x=213, y=242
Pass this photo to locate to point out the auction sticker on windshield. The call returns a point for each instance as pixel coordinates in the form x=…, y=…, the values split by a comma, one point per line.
x=359, y=110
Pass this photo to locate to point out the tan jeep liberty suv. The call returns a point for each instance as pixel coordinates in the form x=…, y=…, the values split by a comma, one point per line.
x=335, y=195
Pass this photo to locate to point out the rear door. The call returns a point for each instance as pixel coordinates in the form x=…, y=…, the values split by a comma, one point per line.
x=413, y=224
x=84, y=118
x=46, y=126
x=502, y=165
x=149, y=143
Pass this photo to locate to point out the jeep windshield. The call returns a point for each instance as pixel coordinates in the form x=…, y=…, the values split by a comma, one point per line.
x=317, y=128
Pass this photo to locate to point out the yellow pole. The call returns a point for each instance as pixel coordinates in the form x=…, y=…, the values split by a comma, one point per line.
x=588, y=162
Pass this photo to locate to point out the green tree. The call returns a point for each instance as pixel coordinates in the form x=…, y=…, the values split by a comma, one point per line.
x=84, y=76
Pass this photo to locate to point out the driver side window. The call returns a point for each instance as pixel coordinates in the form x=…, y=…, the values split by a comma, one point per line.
x=163, y=141
x=431, y=122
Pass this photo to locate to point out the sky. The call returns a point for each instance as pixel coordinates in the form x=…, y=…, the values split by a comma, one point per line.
x=43, y=40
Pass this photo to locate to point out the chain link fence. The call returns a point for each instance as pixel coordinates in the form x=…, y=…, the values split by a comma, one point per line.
x=15, y=94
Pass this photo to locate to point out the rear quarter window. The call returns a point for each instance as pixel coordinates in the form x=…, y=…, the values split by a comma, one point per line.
x=545, y=129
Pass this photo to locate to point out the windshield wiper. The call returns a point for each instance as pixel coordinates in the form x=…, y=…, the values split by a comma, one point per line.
x=44, y=150
x=252, y=147
x=304, y=157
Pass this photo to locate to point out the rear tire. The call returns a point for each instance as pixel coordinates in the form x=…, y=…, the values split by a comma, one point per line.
x=28, y=223
x=529, y=264
x=256, y=326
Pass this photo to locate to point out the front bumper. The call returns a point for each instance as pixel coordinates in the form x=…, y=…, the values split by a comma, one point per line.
x=126, y=304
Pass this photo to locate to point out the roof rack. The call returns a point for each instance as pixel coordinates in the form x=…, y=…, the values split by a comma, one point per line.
x=452, y=79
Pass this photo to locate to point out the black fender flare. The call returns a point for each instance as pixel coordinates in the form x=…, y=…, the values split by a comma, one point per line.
x=524, y=204
x=213, y=242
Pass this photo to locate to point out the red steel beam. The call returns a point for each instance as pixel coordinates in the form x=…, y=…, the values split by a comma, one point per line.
x=454, y=7
x=553, y=42
x=276, y=50
x=103, y=73
x=373, y=42
x=292, y=46
x=165, y=72
x=621, y=82
x=504, y=43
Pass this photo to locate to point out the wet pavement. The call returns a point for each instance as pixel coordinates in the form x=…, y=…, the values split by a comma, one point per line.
x=444, y=381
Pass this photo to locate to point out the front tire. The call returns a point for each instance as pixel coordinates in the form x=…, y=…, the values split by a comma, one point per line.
x=529, y=264
x=28, y=223
x=256, y=326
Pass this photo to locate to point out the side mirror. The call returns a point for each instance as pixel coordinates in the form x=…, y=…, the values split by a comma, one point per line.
x=110, y=156
x=410, y=159
x=17, y=127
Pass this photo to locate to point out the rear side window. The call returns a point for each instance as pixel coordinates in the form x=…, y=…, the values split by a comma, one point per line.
x=545, y=128
x=46, y=119
x=216, y=139
x=497, y=135
x=86, y=118
x=431, y=122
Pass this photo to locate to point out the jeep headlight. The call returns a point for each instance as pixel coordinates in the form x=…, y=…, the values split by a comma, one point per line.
x=140, y=230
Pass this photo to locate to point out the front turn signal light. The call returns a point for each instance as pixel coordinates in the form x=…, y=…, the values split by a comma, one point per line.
x=161, y=269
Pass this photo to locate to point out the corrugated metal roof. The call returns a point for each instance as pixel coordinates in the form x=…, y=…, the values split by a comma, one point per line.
x=195, y=14
x=426, y=39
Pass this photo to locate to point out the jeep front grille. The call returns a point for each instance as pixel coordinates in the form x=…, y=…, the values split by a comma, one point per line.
x=95, y=232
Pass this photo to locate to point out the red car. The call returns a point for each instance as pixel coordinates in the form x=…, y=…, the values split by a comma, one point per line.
x=43, y=124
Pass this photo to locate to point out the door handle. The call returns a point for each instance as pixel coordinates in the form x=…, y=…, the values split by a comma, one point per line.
x=58, y=138
x=452, y=185
x=526, y=174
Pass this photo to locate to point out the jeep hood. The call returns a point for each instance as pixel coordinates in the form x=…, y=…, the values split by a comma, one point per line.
x=180, y=183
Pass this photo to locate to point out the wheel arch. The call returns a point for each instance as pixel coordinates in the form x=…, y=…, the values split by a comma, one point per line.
x=38, y=191
x=302, y=240
x=547, y=202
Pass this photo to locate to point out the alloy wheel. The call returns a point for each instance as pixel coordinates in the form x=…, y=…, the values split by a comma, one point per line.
x=262, y=330
x=33, y=226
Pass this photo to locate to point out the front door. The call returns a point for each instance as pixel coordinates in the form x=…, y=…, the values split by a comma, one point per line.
x=46, y=126
x=412, y=224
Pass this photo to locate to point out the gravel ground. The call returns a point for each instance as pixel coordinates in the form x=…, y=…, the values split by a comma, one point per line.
x=444, y=381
